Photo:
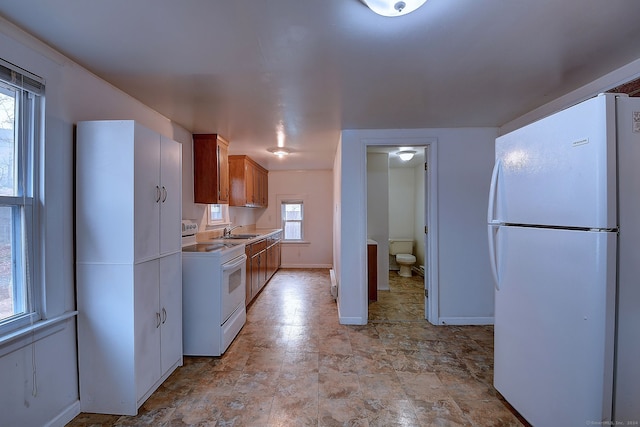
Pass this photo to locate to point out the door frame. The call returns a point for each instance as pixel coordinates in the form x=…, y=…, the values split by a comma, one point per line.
x=431, y=283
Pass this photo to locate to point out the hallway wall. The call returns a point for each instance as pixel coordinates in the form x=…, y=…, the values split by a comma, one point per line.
x=464, y=163
x=378, y=212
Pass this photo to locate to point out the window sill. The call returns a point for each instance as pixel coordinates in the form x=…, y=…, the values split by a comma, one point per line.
x=41, y=329
x=216, y=226
x=295, y=242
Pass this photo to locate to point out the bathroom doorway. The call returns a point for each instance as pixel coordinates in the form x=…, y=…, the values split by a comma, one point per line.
x=399, y=206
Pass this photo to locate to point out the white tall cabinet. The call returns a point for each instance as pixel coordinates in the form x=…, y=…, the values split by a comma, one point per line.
x=128, y=263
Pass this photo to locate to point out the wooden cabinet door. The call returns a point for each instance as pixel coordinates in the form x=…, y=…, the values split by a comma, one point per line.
x=250, y=184
x=263, y=268
x=255, y=274
x=223, y=172
x=210, y=169
x=278, y=254
x=249, y=293
x=262, y=188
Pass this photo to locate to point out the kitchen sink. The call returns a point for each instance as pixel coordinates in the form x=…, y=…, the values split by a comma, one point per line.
x=241, y=236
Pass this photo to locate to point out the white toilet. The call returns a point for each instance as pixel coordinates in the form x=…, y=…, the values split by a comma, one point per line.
x=403, y=251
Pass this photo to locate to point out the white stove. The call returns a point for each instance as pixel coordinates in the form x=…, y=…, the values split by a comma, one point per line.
x=189, y=230
x=213, y=292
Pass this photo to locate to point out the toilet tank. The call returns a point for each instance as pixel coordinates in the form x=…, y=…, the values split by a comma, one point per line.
x=400, y=246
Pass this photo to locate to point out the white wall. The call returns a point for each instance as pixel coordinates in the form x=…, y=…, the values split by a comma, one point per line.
x=337, y=219
x=378, y=212
x=465, y=291
x=402, y=203
x=72, y=94
x=316, y=189
x=464, y=163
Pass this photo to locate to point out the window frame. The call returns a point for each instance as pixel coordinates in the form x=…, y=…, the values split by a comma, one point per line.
x=28, y=93
x=224, y=211
x=292, y=201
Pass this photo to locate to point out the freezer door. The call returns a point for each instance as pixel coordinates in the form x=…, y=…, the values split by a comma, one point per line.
x=554, y=324
x=560, y=171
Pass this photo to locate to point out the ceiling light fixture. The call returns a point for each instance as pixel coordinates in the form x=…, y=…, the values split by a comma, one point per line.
x=279, y=151
x=393, y=7
x=406, y=155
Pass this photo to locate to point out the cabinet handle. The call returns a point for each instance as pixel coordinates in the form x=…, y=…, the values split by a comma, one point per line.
x=158, y=195
x=158, y=320
x=164, y=315
x=164, y=194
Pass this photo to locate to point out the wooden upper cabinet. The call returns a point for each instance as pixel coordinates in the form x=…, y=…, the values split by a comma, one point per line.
x=210, y=169
x=248, y=182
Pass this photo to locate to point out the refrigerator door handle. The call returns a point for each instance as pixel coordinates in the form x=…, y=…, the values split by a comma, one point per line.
x=491, y=209
x=493, y=230
x=493, y=224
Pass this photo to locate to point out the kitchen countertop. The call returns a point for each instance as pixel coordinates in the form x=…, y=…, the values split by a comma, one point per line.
x=259, y=234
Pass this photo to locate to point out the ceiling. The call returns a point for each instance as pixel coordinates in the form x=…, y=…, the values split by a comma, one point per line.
x=253, y=69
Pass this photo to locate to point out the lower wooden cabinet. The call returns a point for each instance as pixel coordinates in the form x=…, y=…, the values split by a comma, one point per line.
x=263, y=260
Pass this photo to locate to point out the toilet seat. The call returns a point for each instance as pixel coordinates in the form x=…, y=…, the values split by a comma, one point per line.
x=405, y=258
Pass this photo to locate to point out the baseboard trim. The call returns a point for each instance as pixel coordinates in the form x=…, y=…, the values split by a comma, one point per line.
x=462, y=321
x=344, y=320
x=306, y=266
x=64, y=417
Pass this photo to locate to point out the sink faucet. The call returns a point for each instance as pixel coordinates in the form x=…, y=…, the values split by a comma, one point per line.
x=227, y=230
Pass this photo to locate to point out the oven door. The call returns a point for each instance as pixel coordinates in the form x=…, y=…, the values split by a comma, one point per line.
x=233, y=285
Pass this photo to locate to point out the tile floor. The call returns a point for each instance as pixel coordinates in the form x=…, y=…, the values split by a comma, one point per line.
x=293, y=364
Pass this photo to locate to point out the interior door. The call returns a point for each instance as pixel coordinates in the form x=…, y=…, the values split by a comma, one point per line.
x=425, y=261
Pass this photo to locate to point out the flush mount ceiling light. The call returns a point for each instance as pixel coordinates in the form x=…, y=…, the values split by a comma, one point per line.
x=393, y=7
x=406, y=155
x=279, y=151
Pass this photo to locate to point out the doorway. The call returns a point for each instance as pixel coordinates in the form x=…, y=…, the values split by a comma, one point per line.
x=401, y=205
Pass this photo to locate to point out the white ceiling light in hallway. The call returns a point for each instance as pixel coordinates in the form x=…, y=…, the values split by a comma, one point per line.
x=406, y=155
x=393, y=7
x=279, y=151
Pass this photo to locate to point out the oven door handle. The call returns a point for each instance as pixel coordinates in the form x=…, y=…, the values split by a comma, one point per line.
x=234, y=263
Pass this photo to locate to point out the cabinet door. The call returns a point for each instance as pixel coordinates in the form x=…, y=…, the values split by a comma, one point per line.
x=249, y=179
x=271, y=259
x=147, y=326
x=278, y=254
x=223, y=172
x=210, y=169
x=147, y=194
x=255, y=274
x=170, y=310
x=263, y=268
x=262, y=188
x=249, y=293
x=171, y=195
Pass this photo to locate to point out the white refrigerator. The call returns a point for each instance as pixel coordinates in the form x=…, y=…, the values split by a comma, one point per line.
x=564, y=244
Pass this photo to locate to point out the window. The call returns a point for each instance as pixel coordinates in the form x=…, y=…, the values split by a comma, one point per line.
x=292, y=215
x=21, y=102
x=217, y=214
